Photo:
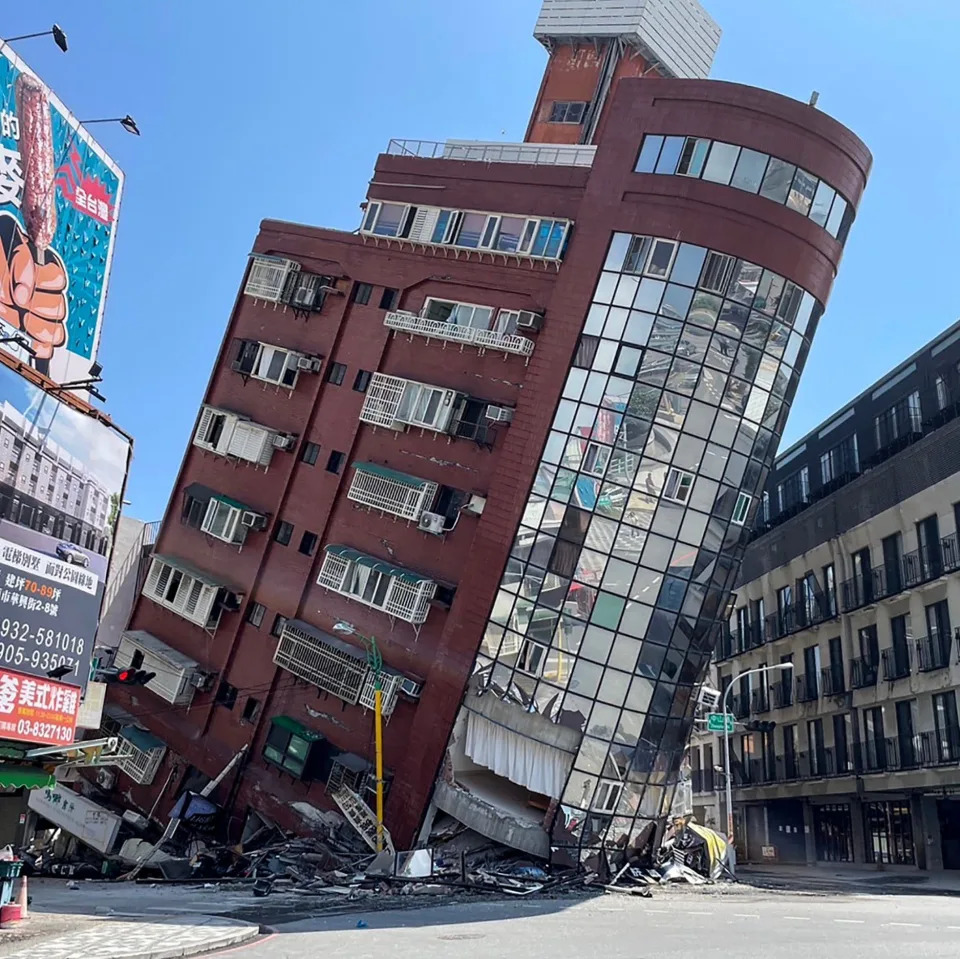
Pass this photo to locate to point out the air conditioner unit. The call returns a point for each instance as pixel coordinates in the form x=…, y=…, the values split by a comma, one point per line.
x=475, y=504
x=431, y=522
x=283, y=441
x=708, y=698
x=106, y=778
x=411, y=687
x=201, y=680
x=499, y=414
x=252, y=520
x=310, y=364
x=528, y=320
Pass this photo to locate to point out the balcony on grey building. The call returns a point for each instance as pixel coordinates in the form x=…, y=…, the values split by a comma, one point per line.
x=863, y=672
x=832, y=681
x=781, y=693
x=760, y=700
x=704, y=780
x=808, y=690
x=740, y=706
x=896, y=662
x=933, y=652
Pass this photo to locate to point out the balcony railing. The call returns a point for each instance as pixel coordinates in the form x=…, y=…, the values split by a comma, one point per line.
x=863, y=673
x=536, y=153
x=942, y=746
x=831, y=680
x=807, y=689
x=933, y=652
x=896, y=662
x=421, y=325
x=703, y=780
x=760, y=700
x=781, y=693
x=740, y=706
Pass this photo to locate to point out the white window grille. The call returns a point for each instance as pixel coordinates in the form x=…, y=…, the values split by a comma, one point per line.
x=215, y=430
x=373, y=582
x=396, y=402
x=678, y=486
x=222, y=521
x=182, y=592
x=273, y=364
x=389, y=687
x=391, y=491
x=140, y=765
x=741, y=508
x=501, y=338
x=323, y=661
x=607, y=796
x=229, y=434
x=268, y=277
x=253, y=443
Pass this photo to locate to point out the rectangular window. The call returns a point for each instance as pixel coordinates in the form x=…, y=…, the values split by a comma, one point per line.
x=335, y=461
x=595, y=459
x=391, y=491
x=188, y=596
x=308, y=543
x=283, y=532
x=226, y=695
x=309, y=453
x=222, y=521
x=362, y=381
x=649, y=152
x=566, y=112
x=748, y=173
x=843, y=460
x=741, y=509
x=255, y=613
x=532, y=658
x=801, y=191
x=388, y=299
x=251, y=709
x=721, y=162
x=717, y=271
x=271, y=364
x=278, y=623
x=386, y=219
x=830, y=590
x=607, y=796
x=947, y=726
x=678, y=486
x=458, y=314
x=336, y=373
x=286, y=750
x=693, y=157
x=361, y=293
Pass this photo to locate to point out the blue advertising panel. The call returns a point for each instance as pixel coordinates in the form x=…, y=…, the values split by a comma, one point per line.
x=59, y=197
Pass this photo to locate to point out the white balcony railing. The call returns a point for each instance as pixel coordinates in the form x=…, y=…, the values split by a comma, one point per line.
x=541, y=154
x=451, y=332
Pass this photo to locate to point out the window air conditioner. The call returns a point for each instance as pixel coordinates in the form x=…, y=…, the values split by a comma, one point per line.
x=499, y=414
x=309, y=364
x=411, y=687
x=252, y=520
x=283, y=441
x=431, y=522
x=528, y=320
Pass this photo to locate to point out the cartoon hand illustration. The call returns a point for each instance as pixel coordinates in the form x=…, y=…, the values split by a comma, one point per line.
x=32, y=288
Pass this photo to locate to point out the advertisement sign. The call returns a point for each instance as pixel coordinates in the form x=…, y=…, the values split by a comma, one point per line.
x=62, y=474
x=37, y=710
x=59, y=195
x=90, y=823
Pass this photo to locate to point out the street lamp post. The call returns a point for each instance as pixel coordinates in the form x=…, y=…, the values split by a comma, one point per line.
x=726, y=735
x=375, y=662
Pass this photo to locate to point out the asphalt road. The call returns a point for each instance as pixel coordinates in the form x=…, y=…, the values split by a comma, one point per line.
x=669, y=926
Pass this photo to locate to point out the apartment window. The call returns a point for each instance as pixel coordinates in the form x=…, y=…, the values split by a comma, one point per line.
x=741, y=508
x=563, y=111
x=361, y=381
x=194, y=508
x=693, y=156
x=251, y=709
x=272, y=364
x=928, y=545
x=459, y=314
x=222, y=521
x=650, y=256
x=678, y=486
x=335, y=461
x=607, y=796
x=278, y=623
x=790, y=751
x=389, y=297
x=947, y=726
x=784, y=610
x=830, y=589
x=717, y=271
x=283, y=532
x=595, y=459
x=842, y=460
x=336, y=373
x=794, y=490
x=361, y=293
x=532, y=658
x=184, y=593
x=308, y=543
x=309, y=453
x=288, y=746
x=901, y=420
x=387, y=219
x=255, y=613
x=395, y=402
x=226, y=695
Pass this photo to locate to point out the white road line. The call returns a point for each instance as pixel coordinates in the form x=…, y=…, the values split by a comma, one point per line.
x=857, y=921
x=746, y=915
x=953, y=927
x=911, y=925
x=664, y=912
x=799, y=918
x=694, y=912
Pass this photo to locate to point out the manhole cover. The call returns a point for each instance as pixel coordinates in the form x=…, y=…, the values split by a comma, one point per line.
x=461, y=936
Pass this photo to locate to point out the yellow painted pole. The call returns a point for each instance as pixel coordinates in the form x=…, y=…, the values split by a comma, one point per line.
x=378, y=728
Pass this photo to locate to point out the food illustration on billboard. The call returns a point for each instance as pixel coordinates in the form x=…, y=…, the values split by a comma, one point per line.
x=37, y=710
x=62, y=474
x=59, y=194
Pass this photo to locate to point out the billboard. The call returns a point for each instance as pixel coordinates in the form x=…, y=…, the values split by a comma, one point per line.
x=37, y=710
x=59, y=196
x=62, y=474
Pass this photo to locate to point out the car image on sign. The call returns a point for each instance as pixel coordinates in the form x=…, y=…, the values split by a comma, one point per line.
x=71, y=553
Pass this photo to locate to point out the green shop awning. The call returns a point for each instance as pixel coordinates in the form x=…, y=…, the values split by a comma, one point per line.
x=24, y=777
x=381, y=566
x=395, y=476
x=291, y=725
x=229, y=501
x=141, y=738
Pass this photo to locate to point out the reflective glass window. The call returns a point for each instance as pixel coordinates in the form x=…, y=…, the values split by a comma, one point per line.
x=748, y=173
x=649, y=295
x=822, y=201
x=693, y=156
x=801, y=191
x=638, y=327
x=669, y=155
x=676, y=301
x=720, y=162
x=777, y=180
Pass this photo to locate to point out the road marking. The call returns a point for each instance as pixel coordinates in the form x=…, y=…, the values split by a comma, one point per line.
x=858, y=921
x=746, y=915
x=911, y=925
x=953, y=927
x=798, y=918
x=664, y=912
x=694, y=912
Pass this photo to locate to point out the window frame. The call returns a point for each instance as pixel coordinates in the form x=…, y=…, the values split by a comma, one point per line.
x=682, y=481
x=741, y=508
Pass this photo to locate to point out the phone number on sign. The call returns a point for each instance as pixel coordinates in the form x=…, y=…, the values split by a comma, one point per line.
x=45, y=731
x=51, y=638
x=45, y=659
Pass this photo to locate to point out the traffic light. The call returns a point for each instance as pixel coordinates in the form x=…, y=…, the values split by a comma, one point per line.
x=760, y=726
x=127, y=677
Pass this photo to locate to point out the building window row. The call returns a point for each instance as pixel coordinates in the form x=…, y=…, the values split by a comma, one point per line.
x=529, y=236
x=277, y=279
x=189, y=592
x=749, y=170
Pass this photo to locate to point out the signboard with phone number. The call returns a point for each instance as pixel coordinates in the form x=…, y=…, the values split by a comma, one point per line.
x=37, y=710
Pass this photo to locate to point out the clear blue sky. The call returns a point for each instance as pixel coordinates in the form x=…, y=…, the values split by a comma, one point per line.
x=253, y=110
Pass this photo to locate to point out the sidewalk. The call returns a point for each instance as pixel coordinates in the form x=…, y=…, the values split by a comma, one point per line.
x=853, y=878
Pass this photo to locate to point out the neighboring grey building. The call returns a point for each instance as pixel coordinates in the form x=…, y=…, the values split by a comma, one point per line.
x=854, y=579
